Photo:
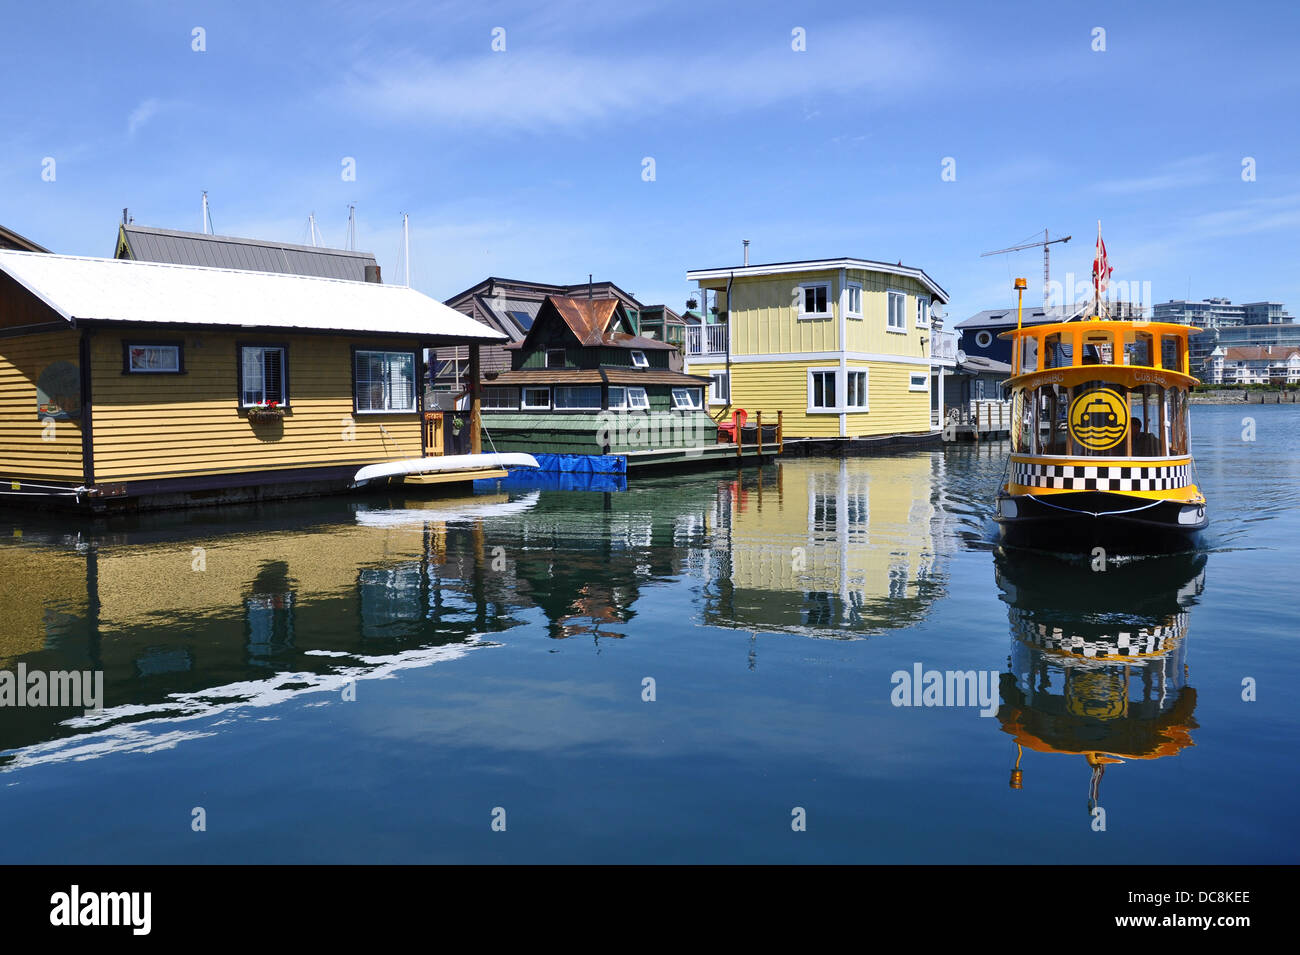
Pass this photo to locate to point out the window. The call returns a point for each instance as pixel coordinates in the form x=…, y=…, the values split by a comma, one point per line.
x=855, y=394
x=919, y=381
x=524, y=320
x=821, y=390
x=854, y=297
x=555, y=358
x=628, y=399
x=262, y=375
x=897, y=320
x=152, y=358
x=501, y=399
x=922, y=312
x=815, y=302
x=536, y=399
x=720, y=388
x=384, y=381
x=983, y=339
x=639, y=360
x=574, y=398
x=687, y=399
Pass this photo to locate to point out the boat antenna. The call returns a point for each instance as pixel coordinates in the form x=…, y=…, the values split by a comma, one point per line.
x=406, y=246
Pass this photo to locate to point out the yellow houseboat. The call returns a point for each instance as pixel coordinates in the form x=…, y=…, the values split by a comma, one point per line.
x=1100, y=445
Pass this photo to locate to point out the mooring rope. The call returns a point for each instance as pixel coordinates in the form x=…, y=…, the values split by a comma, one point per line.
x=1075, y=510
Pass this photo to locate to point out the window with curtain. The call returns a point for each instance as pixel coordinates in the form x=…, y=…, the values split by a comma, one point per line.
x=385, y=381
x=262, y=375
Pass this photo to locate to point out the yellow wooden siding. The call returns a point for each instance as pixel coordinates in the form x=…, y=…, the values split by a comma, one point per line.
x=783, y=386
x=883, y=501
x=894, y=408
x=161, y=426
x=26, y=448
x=870, y=334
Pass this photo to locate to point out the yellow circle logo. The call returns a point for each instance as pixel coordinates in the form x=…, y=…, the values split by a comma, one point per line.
x=1098, y=419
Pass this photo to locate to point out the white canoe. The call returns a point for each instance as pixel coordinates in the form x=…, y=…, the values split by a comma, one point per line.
x=444, y=464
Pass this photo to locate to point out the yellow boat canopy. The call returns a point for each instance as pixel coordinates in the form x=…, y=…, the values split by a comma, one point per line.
x=1128, y=352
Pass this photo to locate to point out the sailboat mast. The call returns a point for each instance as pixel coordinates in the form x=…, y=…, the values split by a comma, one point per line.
x=406, y=246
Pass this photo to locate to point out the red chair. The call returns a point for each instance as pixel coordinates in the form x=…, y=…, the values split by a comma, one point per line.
x=733, y=427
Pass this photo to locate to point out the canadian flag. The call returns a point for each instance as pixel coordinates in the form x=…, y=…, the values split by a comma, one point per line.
x=1100, y=267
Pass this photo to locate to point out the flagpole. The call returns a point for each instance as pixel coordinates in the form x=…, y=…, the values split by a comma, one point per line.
x=1096, y=274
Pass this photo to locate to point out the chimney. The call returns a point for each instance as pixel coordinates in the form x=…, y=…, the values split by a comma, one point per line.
x=372, y=274
x=589, y=291
x=125, y=220
x=745, y=243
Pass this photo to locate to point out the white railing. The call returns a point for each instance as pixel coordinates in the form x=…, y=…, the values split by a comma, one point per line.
x=944, y=346
x=706, y=339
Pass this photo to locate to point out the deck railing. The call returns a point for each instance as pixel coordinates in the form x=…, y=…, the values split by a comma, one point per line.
x=944, y=346
x=706, y=340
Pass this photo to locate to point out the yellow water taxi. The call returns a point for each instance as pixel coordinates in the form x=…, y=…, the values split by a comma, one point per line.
x=1100, y=446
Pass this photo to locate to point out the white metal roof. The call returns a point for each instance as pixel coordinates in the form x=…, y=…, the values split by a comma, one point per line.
x=820, y=265
x=118, y=290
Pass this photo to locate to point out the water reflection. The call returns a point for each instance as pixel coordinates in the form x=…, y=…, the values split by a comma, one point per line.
x=1098, y=663
x=188, y=617
x=829, y=548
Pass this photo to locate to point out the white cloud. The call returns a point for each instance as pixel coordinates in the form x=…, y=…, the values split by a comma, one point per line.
x=532, y=88
x=1193, y=171
x=142, y=114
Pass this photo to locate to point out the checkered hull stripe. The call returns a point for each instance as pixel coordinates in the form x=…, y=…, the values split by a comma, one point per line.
x=1144, y=641
x=1070, y=477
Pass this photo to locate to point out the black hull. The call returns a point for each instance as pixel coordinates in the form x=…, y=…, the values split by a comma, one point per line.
x=1079, y=522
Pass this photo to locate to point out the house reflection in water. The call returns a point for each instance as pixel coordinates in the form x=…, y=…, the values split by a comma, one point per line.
x=180, y=611
x=1098, y=659
x=838, y=550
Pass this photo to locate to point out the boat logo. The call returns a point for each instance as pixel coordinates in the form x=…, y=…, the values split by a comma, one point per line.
x=1098, y=419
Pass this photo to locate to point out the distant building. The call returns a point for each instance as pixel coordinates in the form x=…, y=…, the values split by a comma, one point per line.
x=145, y=244
x=12, y=240
x=1221, y=313
x=1252, y=366
x=510, y=307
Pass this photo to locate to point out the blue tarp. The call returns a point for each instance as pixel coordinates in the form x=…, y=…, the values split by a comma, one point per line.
x=582, y=463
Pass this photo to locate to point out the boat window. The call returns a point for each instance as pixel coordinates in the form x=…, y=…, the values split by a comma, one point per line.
x=1028, y=354
x=1058, y=351
x=1140, y=349
x=1169, y=348
x=1097, y=349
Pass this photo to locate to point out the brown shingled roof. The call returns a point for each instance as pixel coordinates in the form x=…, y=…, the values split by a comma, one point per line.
x=593, y=376
x=589, y=320
x=1257, y=353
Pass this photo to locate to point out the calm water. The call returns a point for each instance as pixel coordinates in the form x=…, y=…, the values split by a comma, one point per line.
x=369, y=680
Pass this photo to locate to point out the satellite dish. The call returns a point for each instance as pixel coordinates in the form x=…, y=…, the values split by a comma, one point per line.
x=936, y=311
x=961, y=356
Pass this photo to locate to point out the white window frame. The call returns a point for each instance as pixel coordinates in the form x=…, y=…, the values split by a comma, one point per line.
x=632, y=398
x=803, y=298
x=283, y=400
x=523, y=398
x=714, y=397
x=555, y=394
x=849, y=310
x=985, y=334
x=911, y=381
x=695, y=402
x=889, y=311
x=923, y=311
x=866, y=389
x=388, y=354
x=639, y=360
x=511, y=406
x=834, y=372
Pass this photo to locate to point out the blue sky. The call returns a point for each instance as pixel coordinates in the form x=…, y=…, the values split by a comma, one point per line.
x=528, y=163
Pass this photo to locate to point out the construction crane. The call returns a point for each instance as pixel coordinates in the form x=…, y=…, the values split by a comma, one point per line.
x=1046, y=243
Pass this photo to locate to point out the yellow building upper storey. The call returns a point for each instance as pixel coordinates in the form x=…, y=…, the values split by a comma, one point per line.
x=842, y=347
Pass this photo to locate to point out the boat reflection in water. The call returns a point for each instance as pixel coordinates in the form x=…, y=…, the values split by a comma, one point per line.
x=1098, y=659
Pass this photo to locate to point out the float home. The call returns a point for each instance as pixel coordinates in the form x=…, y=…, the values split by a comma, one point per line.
x=583, y=382
x=138, y=384
x=840, y=346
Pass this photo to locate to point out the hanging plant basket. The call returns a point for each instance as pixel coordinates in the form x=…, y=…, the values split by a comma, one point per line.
x=262, y=413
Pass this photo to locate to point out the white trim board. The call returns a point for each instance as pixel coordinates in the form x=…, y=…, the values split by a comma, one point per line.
x=821, y=356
